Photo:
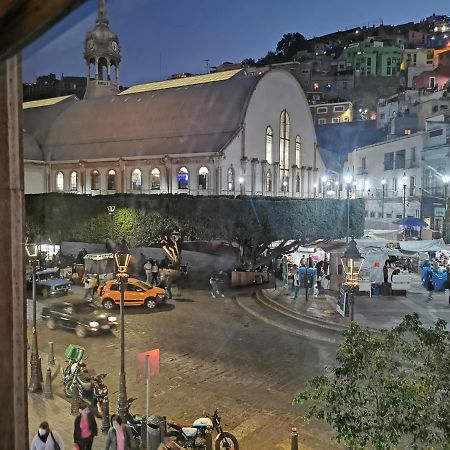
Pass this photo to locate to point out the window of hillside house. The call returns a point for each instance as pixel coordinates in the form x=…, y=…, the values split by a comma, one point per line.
x=322, y=110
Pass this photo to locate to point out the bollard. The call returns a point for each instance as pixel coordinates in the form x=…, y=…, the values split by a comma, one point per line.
x=51, y=354
x=48, y=390
x=105, y=418
x=40, y=370
x=75, y=403
x=209, y=440
x=144, y=433
x=294, y=439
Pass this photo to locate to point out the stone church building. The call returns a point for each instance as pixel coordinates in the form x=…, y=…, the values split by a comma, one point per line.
x=223, y=133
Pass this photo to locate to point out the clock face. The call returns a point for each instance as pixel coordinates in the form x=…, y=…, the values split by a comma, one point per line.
x=115, y=46
x=90, y=44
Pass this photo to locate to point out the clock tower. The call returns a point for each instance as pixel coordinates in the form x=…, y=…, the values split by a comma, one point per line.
x=102, y=55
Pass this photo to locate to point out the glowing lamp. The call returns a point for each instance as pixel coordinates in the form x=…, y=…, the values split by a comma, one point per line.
x=352, y=263
x=383, y=181
x=241, y=180
x=445, y=179
x=32, y=250
x=404, y=179
x=348, y=178
x=122, y=257
x=324, y=179
x=111, y=209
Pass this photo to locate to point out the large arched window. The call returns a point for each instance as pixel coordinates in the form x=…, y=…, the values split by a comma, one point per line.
x=269, y=145
x=183, y=178
x=285, y=129
x=60, y=182
x=136, y=180
x=112, y=180
x=269, y=181
x=95, y=180
x=203, y=178
x=73, y=181
x=155, y=179
x=230, y=179
x=298, y=150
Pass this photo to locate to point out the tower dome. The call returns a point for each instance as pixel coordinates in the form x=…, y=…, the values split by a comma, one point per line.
x=102, y=54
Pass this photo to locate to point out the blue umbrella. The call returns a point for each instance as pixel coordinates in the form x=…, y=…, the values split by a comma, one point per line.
x=411, y=222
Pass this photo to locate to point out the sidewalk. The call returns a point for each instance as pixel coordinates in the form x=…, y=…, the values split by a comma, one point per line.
x=374, y=312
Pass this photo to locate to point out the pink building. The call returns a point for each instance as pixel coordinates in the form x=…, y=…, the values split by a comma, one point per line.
x=433, y=80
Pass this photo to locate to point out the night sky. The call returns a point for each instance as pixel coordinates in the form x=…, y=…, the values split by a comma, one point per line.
x=161, y=37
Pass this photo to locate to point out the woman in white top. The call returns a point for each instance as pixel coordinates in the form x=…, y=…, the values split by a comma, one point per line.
x=46, y=439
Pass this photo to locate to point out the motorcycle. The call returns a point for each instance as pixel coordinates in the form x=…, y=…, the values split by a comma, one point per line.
x=91, y=389
x=134, y=421
x=194, y=437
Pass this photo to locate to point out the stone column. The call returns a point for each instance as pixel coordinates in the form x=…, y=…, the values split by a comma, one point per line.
x=122, y=176
x=309, y=182
x=13, y=397
x=302, y=182
x=264, y=168
x=109, y=70
x=168, y=173
x=253, y=175
x=242, y=185
x=117, y=75
x=294, y=181
x=96, y=68
x=276, y=179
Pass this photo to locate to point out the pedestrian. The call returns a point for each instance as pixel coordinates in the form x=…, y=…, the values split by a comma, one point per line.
x=325, y=267
x=429, y=284
x=95, y=284
x=85, y=428
x=165, y=262
x=87, y=280
x=303, y=261
x=310, y=262
x=216, y=281
x=385, y=273
x=46, y=439
x=447, y=283
x=148, y=270
x=169, y=286
x=295, y=281
x=155, y=272
x=319, y=268
x=119, y=435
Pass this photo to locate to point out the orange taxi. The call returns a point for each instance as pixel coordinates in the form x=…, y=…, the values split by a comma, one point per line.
x=137, y=293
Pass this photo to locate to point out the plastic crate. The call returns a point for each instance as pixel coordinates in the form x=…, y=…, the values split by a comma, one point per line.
x=74, y=352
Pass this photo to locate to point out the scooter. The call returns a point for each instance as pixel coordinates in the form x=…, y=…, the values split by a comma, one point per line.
x=194, y=437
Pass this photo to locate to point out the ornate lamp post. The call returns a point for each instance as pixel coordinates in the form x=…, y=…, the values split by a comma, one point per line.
x=122, y=257
x=35, y=361
x=285, y=183
x=111, y=210
x=324, y=180
x=348, y=185
x=352, y=263
x=445, y=180
x=383, y=184
x=404, y=181
x=241, y=185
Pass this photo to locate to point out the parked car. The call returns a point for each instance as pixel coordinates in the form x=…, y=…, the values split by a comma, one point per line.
x=137, y=293
x=84, y=319
x=49, y=283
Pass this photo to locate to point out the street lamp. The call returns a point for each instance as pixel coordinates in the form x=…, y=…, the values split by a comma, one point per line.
x=285, y=183
x=324, y=179
x=122, y=258
x=404, y=180
x=241, y=185
x=315, y=190
x=348, y=180
x=352, y=267
x=445, y=180
x=35, y=361
x=111, y=209
x=383, y=184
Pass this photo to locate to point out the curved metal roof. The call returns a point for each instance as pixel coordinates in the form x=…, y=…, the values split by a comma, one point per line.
x=200, y=118
x=31, y=149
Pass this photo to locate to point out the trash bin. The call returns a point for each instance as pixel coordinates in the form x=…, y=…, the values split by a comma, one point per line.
x=156, y=426
x=74, y=352
x=376, y=289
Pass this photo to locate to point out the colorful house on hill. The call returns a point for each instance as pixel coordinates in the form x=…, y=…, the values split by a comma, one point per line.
x=434, y=79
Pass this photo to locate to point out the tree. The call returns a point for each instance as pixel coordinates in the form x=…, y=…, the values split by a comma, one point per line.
x=290, y=44
x=389, y=388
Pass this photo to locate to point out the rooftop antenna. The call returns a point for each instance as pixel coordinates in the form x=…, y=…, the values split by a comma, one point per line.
x=207, y=65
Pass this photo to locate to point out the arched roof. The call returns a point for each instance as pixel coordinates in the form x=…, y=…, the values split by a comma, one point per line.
x=32, y=151
x=200, y=118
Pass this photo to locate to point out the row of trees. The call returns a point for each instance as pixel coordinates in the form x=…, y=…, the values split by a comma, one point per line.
x=254, y=223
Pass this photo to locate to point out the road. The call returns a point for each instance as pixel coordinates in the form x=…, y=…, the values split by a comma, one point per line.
x=213, y=355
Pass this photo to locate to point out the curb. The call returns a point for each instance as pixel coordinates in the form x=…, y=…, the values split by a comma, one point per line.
x=282, y=309
x=287, y=328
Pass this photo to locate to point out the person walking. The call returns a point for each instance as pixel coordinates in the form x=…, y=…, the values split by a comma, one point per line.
x=295, y=281
x=46, y=439
x=148, y=271
x=155, y=272
x=88, y=288
x=429, y=284
x=95, y=284
x=85, y=428
x=385, y=273
x=119, y=435
x=169, y=286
